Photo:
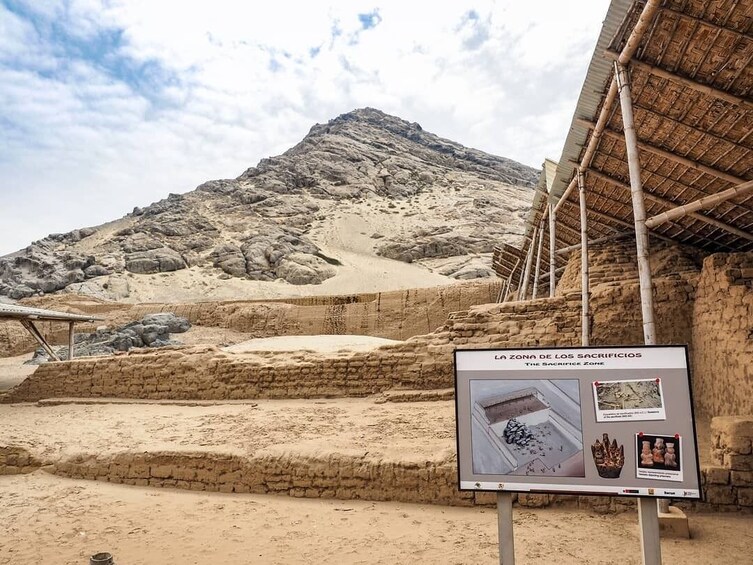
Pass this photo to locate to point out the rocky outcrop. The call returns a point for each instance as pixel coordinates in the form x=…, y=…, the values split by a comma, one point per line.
x=260, y=225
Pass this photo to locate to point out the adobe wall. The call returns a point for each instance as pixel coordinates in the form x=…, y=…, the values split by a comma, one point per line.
x=422, y=362
x=393, y=315
x=617, y=262
x=728, y=484
x=723, y=336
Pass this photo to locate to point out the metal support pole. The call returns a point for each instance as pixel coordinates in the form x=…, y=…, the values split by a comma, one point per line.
x=552, y=250
x=647, y=509
x=70, y=340
x=504, y=529
x=527, y=272
x=585, y=289
x=535, y=291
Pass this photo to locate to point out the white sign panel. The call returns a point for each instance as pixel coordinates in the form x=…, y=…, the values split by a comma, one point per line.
x=597, y=420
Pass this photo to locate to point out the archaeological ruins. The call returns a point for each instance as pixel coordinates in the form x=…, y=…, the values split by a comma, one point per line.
x=642, y=232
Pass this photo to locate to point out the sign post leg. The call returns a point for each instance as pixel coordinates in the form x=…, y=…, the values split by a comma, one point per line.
x=648, y=517
x=504, y=526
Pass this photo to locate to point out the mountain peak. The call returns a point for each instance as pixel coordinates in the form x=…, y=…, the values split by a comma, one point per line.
x=422, y=198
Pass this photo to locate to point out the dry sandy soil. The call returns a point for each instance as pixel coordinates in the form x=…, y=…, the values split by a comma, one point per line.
x=47, y=519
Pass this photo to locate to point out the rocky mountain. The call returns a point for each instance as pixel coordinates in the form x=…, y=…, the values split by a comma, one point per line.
x=365, y=184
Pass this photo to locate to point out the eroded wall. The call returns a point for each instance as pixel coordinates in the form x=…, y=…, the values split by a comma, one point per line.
x=396, y=314
x=723, y=336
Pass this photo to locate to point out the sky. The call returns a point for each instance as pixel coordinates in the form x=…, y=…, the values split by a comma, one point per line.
x=107, y=105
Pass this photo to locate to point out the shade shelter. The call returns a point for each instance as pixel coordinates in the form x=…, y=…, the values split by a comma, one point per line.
x=27, y=316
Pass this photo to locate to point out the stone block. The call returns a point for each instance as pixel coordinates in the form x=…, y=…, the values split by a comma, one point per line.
x=718, y=494
x=533, y=500
x=738, y=462
x=737, y=444
x=716, y=475
x=674, y=524
x=745, y=497
x=741, y=478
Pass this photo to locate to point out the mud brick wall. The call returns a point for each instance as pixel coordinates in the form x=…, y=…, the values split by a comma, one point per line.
x=422, y=362
x=723, y=336
x=16, y=460
x=728, y=484
x=617, y=262
x=396, y=314
x=334, y=476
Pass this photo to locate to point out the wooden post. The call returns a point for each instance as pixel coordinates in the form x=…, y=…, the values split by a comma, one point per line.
x=647, y=509
x=552, y=251
x=504, y=529
x=527, y=271
x=537, y=271
x=70, y=340
x=585, y=290
x=509, y=280
x=32, y=329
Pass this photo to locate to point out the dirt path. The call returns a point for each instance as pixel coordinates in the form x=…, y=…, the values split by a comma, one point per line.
x=47, y=519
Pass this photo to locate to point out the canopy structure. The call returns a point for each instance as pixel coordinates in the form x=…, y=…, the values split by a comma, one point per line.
x=27, y=316
x=688, y=65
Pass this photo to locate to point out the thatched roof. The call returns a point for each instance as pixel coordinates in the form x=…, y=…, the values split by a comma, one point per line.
x=691, y=81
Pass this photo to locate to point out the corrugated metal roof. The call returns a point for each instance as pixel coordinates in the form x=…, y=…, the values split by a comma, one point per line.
x=13, y=311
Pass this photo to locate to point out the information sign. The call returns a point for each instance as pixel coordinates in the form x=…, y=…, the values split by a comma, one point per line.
x=613, y=421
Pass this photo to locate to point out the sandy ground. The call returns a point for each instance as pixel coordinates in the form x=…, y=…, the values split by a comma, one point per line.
x=13, y=370
x=320, y=343
x=47, y=519
x=390, y=431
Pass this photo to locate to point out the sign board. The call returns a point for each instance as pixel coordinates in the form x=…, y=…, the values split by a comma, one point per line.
x=614, y=421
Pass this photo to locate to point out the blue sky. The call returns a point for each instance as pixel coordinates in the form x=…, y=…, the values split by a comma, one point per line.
x=109, y=105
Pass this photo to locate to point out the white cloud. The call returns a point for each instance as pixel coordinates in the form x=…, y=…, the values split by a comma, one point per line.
x=108, y=106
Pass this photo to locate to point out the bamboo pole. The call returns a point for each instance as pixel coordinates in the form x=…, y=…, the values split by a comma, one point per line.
x=537, y=271
x=648, y=516
x=596, y=241
x=669, y=204
x=552, y=249
x=585, y=290
x=509, y=280
x=527, y=272
x=639, y=207
x=702, y=204
x=631, y=46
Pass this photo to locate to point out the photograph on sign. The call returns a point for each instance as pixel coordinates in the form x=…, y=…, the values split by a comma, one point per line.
x=658, y=457
x=609, y=458
x=623, y=400
x=527, y=428
x=588, y=420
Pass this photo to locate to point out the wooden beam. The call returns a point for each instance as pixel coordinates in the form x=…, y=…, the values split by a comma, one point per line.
x=703, y=203
x=703, y=22
x=716, y=138
x=700, y=87
x=669, y=204
x=34, y=331
x=596, y=241
x=701, y=168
